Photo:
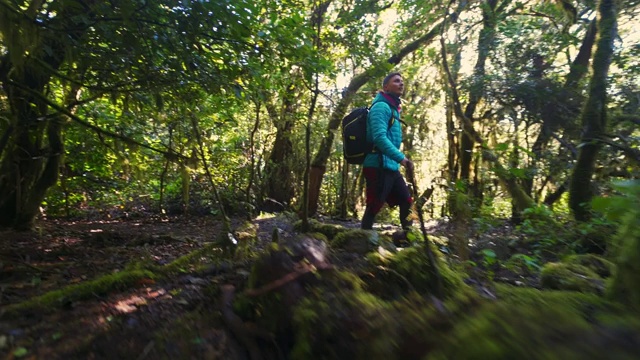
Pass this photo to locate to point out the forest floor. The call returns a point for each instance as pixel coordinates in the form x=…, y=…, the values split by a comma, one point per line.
x=172, y=317
x=145, y=320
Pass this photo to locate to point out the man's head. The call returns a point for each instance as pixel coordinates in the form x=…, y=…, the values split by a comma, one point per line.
x=393, y=84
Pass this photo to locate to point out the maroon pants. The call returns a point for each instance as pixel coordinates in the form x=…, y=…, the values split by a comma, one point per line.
x=385, y=186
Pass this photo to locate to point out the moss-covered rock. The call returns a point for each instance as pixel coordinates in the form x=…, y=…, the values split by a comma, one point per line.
x=329, y=325
x=357, y=241
x=359, y=325
x=246, y=236
x=413, y=264
x=522, y=264
x=532, y=324
x=310, y=246
x=329, y=230
x=598, y=264
x=573, y=277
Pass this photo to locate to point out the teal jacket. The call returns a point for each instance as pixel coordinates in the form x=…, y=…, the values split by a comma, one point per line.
x=386, y=139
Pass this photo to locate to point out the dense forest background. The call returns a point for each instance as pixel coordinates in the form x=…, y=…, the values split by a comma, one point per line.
x=522, y=117
x=203, y=107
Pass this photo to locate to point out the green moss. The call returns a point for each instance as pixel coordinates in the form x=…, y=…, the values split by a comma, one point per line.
x=625, y=286
x=573, y=277
x=358, y=325
x=329, y=230
x=601, y=266
x=359, y=241
x=437, y=240
x=209, y=253
x=509, y=332
x=58, y=298
x=263, y=265
x=319, y=236
x=532, y=324
x=336, y=325
x=380, y=257
x=413, y=264
x=247, y=237
x=579, y=302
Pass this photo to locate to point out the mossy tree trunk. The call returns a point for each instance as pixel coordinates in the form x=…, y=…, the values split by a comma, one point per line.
x=453, y=137
x=485, y=44
x=520, y=198
x=594, y=115
x=30, y=157
x=467, y=140
x=278, y=169
x=553, y=116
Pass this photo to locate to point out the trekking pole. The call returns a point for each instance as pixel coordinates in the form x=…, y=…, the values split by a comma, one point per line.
x=432, y=260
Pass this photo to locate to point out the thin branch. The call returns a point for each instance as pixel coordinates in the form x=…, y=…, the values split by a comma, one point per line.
x=539, y=14
x=627, y=117
x=214, y=187
x=568, y=145
x=633, y=154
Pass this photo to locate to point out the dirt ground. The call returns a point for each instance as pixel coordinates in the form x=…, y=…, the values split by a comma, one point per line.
x=178, y=317
x=175, y=318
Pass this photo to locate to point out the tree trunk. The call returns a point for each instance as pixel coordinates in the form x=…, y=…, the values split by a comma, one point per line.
x=520, y=198
x=30, y=162
x=485, y=44
x=31, y=156
x=551, y=120
x=594, y=115
x=28, y=169
x=278, y=168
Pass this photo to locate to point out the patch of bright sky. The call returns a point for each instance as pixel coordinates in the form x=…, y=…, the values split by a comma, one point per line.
x=386, y=22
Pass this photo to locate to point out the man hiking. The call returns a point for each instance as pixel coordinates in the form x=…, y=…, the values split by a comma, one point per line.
x=381, y=167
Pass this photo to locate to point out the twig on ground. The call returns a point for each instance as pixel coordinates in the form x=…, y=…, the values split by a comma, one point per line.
x=303, y=268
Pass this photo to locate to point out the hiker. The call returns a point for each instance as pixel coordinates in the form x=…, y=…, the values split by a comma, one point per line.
x=381, y=167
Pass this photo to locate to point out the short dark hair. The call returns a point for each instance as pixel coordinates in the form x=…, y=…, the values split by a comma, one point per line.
x=388, y=78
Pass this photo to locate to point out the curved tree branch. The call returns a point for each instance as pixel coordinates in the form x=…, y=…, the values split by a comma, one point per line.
x=169, y=155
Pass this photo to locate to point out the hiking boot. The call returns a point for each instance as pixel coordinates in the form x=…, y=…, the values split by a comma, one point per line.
x=400, y=239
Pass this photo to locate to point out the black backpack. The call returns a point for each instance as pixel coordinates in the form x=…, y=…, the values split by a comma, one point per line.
x=355, y=146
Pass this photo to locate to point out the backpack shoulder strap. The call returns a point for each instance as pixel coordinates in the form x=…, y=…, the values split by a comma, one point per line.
x=392, y=119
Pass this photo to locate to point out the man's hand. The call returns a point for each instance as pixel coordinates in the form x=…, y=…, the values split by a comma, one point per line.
x=408, y=164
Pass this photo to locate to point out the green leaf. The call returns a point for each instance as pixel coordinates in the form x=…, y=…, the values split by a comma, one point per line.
x=488, y=253
x=20, y=352
x=519, y=173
